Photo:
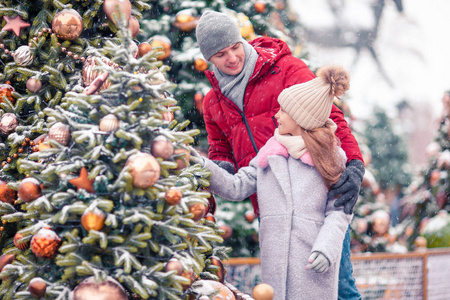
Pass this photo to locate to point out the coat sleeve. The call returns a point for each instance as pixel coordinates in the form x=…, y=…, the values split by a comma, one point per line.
x=343, y=132
x=235, y=187
x=219, y=147
x=330, y=239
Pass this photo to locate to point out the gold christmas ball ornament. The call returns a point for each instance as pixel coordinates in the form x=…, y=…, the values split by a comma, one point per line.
x=89, y=289
x=174, y=264
x=67, y=24
x=183, y=158
x=198, y=210
x=109, y=123
x=34, y=85
x=45, y=243
x=144, y=168
x=29, y=189
x=215, y=261
x=215, y=288
x=162, y=147
x=144, y=48
x=7, y=195
x=263, y=291
x=89, y=72
x=112, y=8
x=133, y=26
x=93, y=220
x=173, y=196
x=8, y=123
x=23, y=56
x=6, y=90
x=37, y=287
x=165, y=43
x=60, y=133
x=20, y=245
x=6, y=259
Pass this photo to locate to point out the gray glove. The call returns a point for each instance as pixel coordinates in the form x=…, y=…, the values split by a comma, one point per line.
x=348, y=186
x=318, y=262
x=227, y=166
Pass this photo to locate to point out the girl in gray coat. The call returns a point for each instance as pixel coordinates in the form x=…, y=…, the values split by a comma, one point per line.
x=301, y=232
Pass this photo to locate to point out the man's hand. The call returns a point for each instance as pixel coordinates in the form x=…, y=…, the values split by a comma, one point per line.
x=348, y=186
x=318, y=262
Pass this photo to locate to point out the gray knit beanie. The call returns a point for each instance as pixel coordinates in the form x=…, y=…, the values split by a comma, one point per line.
x=309, y=103
x=216, y=31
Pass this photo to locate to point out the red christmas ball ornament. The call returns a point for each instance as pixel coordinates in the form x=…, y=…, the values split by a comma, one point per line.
x=6, y=90
x=162, y=147
x=22, y=245
x=37, y=287
x=7, y=194
x=45, y=243
x=29, y=189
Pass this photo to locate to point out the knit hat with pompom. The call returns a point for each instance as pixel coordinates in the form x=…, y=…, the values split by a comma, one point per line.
x=309, y=103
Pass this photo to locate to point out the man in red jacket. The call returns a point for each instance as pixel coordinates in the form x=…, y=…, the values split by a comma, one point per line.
x=239, y=110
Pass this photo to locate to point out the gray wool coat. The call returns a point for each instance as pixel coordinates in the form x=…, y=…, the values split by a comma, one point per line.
x=295, y=220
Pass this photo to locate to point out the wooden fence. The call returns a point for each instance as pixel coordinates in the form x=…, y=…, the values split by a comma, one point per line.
x=414, y=275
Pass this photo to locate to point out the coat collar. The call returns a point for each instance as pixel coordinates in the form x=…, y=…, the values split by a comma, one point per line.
x=279, y=166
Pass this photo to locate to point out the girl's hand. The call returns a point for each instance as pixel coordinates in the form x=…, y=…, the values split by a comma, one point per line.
x=318, y=262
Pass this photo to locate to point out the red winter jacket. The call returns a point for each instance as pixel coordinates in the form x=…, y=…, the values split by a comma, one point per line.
x=236, y=136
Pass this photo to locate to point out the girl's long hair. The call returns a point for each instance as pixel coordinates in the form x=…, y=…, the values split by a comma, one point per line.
x=322, y=145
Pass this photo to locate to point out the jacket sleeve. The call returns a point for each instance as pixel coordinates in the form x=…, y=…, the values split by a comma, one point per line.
x=219, y=147
x=343, y=132
x=235, y=187
x=331, y=235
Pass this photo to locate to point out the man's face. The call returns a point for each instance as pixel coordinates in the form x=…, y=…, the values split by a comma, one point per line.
x=230, y=60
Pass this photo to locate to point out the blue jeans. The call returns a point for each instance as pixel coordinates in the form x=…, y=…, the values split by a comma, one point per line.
x=347, y=288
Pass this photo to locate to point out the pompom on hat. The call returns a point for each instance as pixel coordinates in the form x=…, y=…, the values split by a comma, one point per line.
x=309, y=103
x=216, y=31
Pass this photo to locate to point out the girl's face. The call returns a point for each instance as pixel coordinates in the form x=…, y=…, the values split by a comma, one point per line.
x=287, y=125
x=230, y=60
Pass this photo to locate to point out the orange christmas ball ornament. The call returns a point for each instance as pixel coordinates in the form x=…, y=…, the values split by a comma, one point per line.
x=29, y=189
x=22, y=245
x=250, y=216
x=93, y=220
x=144, y=48
x=37, y=287
x=434, y=177
x=6, y=90
x=228, y=231
x=45, y=243
x=7, y=194
x=190, y=275
x=221, y=272
x=200, y=64
x=165, y=43
x=144, y=168
x=173, y=196
x=210, y=217
x=260, y=7
x=67, y=24
x=263, y=291
x=133, y=26
x=186, y=20
x=198, y=210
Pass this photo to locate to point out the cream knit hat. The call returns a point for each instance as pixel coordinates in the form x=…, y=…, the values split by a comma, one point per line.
x=309, y=103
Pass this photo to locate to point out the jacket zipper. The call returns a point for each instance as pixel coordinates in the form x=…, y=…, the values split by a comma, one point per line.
x=274, y=122
x=250, y=134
